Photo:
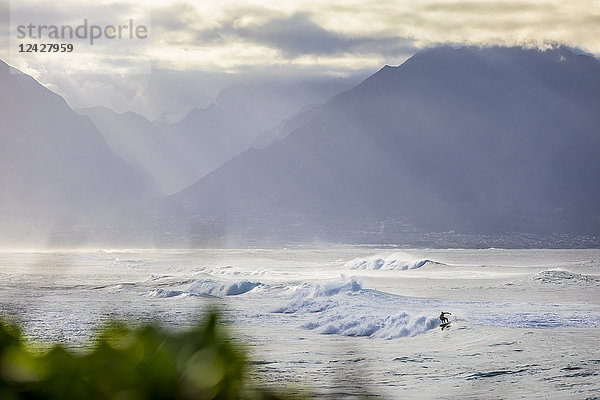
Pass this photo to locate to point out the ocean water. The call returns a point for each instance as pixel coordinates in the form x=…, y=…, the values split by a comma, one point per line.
x=343, y=321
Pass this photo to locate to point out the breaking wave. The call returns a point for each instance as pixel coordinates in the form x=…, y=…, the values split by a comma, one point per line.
x=160, y=293
x=396, y=261
x=343, y=307
x=207, y=288
x=213, y=288
x=391, y=327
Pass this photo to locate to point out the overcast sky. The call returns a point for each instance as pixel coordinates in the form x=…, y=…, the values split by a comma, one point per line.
x=196, y=48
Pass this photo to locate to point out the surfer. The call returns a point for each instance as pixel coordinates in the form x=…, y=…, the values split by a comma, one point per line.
x=443, y=317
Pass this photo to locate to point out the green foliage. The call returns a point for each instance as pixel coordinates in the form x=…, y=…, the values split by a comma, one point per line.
x=130, y=364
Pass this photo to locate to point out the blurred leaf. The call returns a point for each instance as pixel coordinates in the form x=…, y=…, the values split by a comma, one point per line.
x=127, y=363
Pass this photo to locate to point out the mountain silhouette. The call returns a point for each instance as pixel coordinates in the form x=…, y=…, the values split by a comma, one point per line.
x=172, y=156
x=478, y=140
x=56, y=170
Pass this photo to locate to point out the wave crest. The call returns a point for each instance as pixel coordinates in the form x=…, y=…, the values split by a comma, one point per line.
x=160, y=293
x=390, y=327
x=313, y=298
x=338, y=307
x=213, y=288
x=396, y=261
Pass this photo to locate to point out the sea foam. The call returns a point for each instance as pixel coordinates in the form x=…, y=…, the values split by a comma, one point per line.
x=160, y=293
x=343, y=307
x=395, y=261
x=214, y=288
x=558, y=276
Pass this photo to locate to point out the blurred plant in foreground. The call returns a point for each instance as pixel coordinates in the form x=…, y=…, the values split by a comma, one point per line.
x=131, y=363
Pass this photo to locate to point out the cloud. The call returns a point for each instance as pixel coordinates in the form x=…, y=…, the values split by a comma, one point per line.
x=175, y=18
x=231, y=35
x=485, y=7
x=199, y=47
x=287, y=32
x=71, y=12
x=297, y=34
x=122, y=54
x=504, y=23
x=4, y=24
x=291, y=35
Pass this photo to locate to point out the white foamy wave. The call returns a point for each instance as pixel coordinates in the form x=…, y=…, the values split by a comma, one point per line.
x=563, y=277
x=390, y=327
x=396, y=261
x=331, y=288
x=213, y=288
x=556, y=277
x=342, y=307
x=229, y=270
x=314, y=297
x=160, y=293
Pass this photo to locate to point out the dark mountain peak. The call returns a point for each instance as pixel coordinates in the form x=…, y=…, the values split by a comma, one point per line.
x=447, y=57
x=482, y=71
x=473, y=139
x=515, y=58
x=14, y=81
x=6, y=68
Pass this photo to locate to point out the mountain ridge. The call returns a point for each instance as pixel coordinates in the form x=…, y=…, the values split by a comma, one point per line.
x=535, y=108
x=173, y=156
x=56, y=170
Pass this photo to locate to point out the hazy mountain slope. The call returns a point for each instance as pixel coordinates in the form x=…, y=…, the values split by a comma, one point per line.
x=154, y=148
x=55, y=167
x=174, y=156
x=285, y=127
x=478, y=140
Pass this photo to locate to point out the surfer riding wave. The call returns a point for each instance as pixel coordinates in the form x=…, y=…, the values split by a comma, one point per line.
x=443, y=317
